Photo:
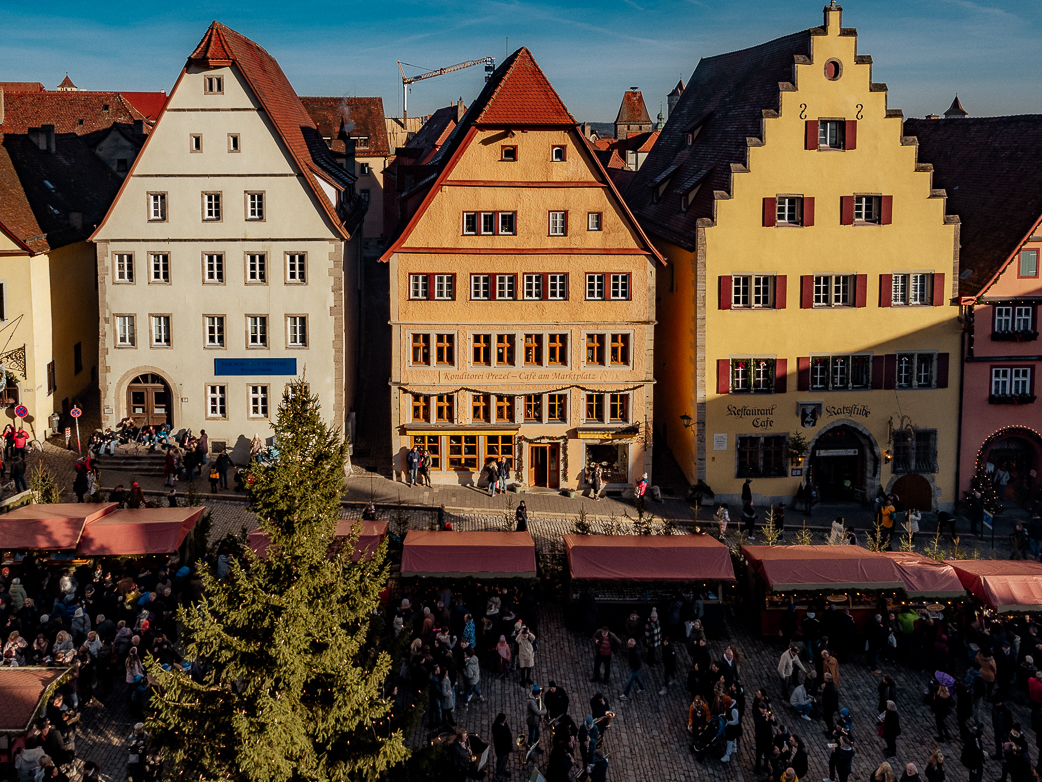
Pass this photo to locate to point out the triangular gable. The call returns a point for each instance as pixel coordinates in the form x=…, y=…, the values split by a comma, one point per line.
x=523, y=96
x=213, y=51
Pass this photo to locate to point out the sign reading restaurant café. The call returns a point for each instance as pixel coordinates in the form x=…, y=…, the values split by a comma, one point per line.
x=761, y=417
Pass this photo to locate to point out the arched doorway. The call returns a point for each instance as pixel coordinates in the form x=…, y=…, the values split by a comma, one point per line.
x=148, y=400
x=1019, y=452
x=914, y=491
x=843, y=464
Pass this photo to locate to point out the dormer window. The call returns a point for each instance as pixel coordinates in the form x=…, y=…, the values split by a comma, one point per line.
x=362, y=142
x=213, y=85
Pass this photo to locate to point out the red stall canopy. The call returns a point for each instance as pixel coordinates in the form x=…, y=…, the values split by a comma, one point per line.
x=482, y=554
x=22, y=691
x=137, y=531
x=814, y=568
x=925, y=577
x=49, y=527
x=648, y=558
x=1001, y=584
x=373, y=533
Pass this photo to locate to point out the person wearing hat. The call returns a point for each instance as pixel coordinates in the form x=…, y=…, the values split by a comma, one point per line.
x=652, y=636
x=556, y=700
x=732, y=727
x=589, y=736
x=534, y=713
x=136, y=498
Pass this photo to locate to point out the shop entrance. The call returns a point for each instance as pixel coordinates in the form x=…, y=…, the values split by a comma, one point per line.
x=543, y=469
x=613, y=459
x=148, y=401
x=838, y=463
x=1019, y=453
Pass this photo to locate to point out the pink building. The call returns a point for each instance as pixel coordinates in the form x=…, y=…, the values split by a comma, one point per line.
x=991, y=169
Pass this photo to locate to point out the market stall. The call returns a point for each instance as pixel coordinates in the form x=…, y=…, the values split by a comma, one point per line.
x=1003, y=585
x=847, y=577
x=49, y=528
x=434, y=554
x=631, y=570
x=926, y=579
x=372, y=535
x=138, y=531
x=23, y=693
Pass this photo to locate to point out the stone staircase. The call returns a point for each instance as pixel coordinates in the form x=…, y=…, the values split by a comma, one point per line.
x=136, y=459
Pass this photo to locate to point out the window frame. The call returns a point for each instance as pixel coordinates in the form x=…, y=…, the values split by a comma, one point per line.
x=745, y=285
x=127, y=278
x=830, y=293
x=554, y=149
x=220, y=325
x=290, y=344
x=213, y=212
x=295, y=262
x=153, y=197
x=421, y=403
x=152, y=279
x=560, y=216
x=1027, y=378
x=462, y=461
x=736, y=369
x=830, y=371
x=486, y=345
x=628, y=278
x=781, y=202
x=221, y=398
x=233, y=143
x=508, y=153
x=593, y=407
x=195, y=143
x=221, y=276
x=261, y=392
x=594, y=221
x=476, y=279
x=533, y=342
x=598, y=279
x=445, y=349
x=557, y=348
x=480, y=409
x=616, y=402
x=213, y=84
x=512, y=279
x=131, y=320
x=248, y=271
x=504, y=408
x=558, y=400
x=153, y=317
x=499, y=223
x=906, y=279
x=915, y=384
x=252, y=214
x=443, y=281
x=841, y=140
x=444, y=408
x=864, y=200
x=262, y=322
x=1020, y=264
x=779, y=445
x=420, y=340
x=506, y=341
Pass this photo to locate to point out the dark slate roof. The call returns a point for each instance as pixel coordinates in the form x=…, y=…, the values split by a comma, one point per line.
x=991, y=169
x=678, y=90
x=632, y=111
x=366, y=114
x=726, y=97
x=956, y=109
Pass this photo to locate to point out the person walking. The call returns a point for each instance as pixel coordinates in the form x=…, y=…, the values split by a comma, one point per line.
x=942, y=706
x=525, y=654
x=973, y=754
x=521, y=517
x=652, y=636
x=829, y=701
x=636, y=662
x=604, y=643
x=789, y=667
x=639, y=488
x=224, y=466
x=503, y=743
x=492, y=476
x=471, y=677
x=891, y=728
x=732, y=727
x=534, y=714
x=749, y=520
x=935, y=767
x=886, y=522
x=504, y=473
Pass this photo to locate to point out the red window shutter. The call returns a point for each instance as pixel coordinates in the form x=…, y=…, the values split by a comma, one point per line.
x=725, y=291
x=942, y=370
x=430, y=287
x=878, y=362
x=545, y=290
x=780, y=292
x=770, y=212
x=803, y=373
x=723, y=376
x=938, y=290
x=886, y=289
x=850, y=134
x=806, y=291
x=454, y=286
x=812, y=134
x=890, y=371
x=808, y=212
x=846, y=210
x=860, y=290
x=781, y=375
x=886, y=210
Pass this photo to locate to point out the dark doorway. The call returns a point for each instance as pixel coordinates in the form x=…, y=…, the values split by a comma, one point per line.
x=838, y=463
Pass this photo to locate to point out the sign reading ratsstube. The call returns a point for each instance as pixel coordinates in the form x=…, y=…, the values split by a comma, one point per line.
x=255, y=366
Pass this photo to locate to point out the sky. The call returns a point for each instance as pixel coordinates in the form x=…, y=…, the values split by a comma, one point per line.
x=987, y=51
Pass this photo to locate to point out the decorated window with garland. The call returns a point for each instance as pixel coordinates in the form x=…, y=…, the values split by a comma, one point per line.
x=752, y=375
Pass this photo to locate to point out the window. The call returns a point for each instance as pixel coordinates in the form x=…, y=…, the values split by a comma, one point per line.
x=595, y=349
x=121, y=165
x=915, y=451
x=557, y=287
x=915, y=370
x=558, y=224
x=470, y=223
x=752, y=375
x=1003, y=319
x=214, y=330
x=213, y=268
x=836, y=373
x=593, y=221
x=557, y=154
x=297, y=331
x=366, y=195
x=160, y=331
x=480, y=287
x=421, y=408
x=364, y=170
x=445, y=408
x=619, y=407
x=533, y=286
x=505, y=408
x=501, y=446
x=1020, y=381
x=77, y=358
x=1010, y=382
x=157, y=207
x=506, y=287
x=213, y=85
x=480, y=409
x=557, y=349
x=296, y=268
x=421, y=349
x=1028, y=263
x=463, y=452
x=534, y=350
x=557, y=408
x=124, y=271
x=257, y=331
x=444, y=287
x=233, y=142
x=431, y=443
x=507, y=222
x=258, y=401
x=833, y=290
x=482, y=349
x=595, y=407
x=1022, y=319
x=362, y=142
x=125, y=337
x=830, y=133
x=595, y=286
x=534, y=407
x=445, y=349
x=508, y=154
x=159, y=268
x=760, y=456
x=255, y=206
x=216, y=401
x=756, y=290
x=195, y=142
x=914, y=289
x=1000, y=381
x=212, y=206
x=789, y=210
x=3, y=304
x=866, y=209
x=51, y=383
x=620, y=286
x=620, y=349
x=505, y=350
x=418, y=286
x=256, y=268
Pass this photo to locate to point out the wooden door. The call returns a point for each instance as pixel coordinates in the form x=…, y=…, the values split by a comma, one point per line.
x=148, y=401
x=544, y=466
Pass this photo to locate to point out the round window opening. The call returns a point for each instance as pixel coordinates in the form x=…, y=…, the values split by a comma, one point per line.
x=833, y=70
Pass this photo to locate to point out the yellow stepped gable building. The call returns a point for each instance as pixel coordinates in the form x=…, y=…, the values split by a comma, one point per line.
x=522, y=301
x=809, y=291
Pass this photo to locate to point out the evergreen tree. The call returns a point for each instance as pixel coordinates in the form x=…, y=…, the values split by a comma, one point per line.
x=292, y=688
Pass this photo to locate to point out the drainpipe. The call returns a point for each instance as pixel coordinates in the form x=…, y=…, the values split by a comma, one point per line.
x=962, y=384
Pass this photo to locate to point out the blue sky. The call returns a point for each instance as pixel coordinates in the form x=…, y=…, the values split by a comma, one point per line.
x=592, y=50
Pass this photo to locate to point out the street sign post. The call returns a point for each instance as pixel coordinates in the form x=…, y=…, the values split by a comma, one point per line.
x=68, y=434
x=76, y=413
x=989, y=523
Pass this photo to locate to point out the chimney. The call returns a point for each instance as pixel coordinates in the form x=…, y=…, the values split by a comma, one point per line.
x=47, y=138
x=1, y=106
x=833, y=18
x=460, y=109
x=932, y=116
x=139, y=127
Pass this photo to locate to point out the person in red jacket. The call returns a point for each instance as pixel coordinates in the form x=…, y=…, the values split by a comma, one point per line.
x=21, y=437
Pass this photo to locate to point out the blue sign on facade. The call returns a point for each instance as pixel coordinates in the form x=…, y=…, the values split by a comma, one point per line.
x=255, y=366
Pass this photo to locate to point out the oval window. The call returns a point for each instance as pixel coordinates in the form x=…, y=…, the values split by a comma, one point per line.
x=833, y=70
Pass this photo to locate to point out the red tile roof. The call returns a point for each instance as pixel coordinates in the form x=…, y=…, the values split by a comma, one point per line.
x=67, y=84
x=149, y=104
x=365, y=114
x=81, y=113
x=520, y=94
x=633, y=111
x=21, y=692
x=21, y=86
x=678, y=90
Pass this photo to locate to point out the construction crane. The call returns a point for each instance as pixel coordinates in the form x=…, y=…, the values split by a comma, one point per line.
x=489, y=63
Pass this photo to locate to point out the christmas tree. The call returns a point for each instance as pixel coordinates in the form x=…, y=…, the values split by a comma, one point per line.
x=292, y=682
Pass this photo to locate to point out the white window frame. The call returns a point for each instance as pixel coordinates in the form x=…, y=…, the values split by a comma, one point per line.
x=512, y=218
x=159, y=262
x=557, y=287
x=506, y=287
x=558, y=223
x=157, y=207
x=558, y=153
x=834, y=290
x=471, y=222
x=212, y=207
x=256, y=268
x=911, y=289
x=257, y=401
x=255, y=206
x=594, y=221
x=296, y=268
x=256, y=331
x=1000, y=381
x=595, y=287
x=487, y=223
x=126, y=332
x=123, y=268
x=296, y=331
x=1003, y=319
x=1020, y=381
x=752, y=291
x=788, y=210
x=160, y=331
x=620, y=286
x=216, y=400
x=915, y=370
x=867, y=209
x=213, y=268
x=830, y=134
x=533, y=287
x=444, y=287
x=480, y=287
x=213, y=331
x=1022, y=319
x=419, y=287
